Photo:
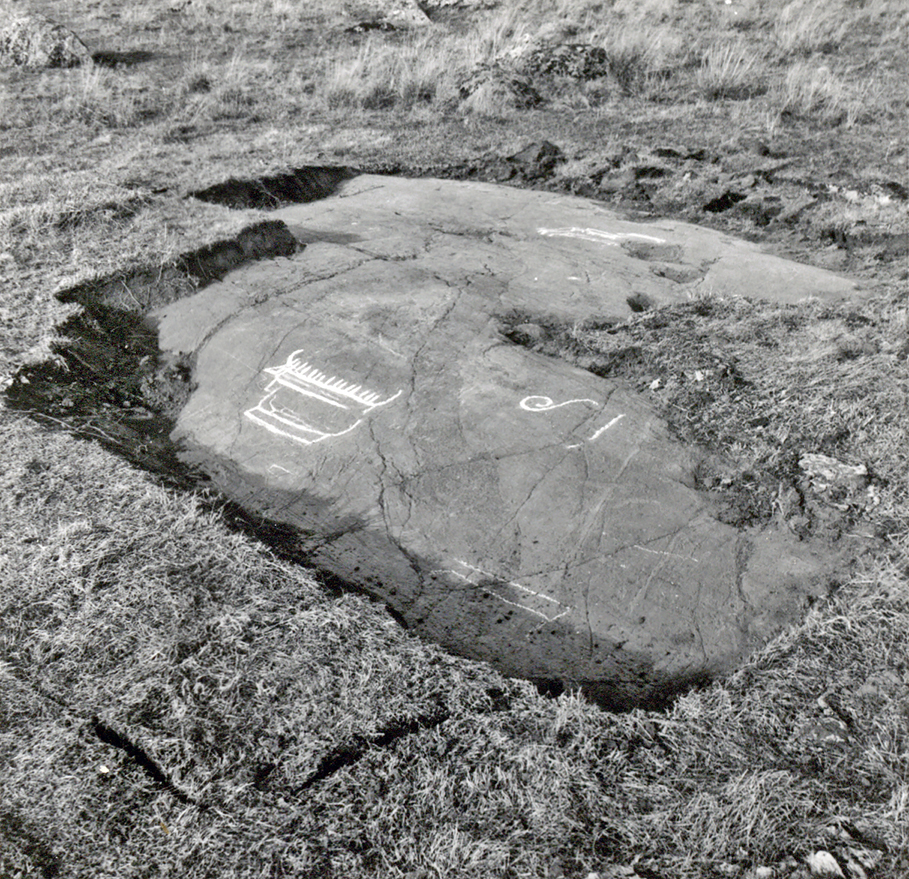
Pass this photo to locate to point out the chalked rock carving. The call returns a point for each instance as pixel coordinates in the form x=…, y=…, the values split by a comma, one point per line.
x=303, y=404
x=507, y=505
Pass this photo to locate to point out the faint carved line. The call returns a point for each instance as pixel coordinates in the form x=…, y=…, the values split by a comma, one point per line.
x=684, y=558
x=475, y=582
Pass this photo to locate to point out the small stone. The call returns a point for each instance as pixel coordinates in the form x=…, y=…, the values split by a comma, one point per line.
x=531, y=331
x=763, y=873
x=826, y=472
x=616, y=182
x=579, y=61
x=827, y=732
x=537, y=160
x=823, y=863
x=491, y=86
x=793, y=210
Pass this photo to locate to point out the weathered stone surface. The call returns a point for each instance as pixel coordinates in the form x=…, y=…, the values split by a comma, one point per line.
x=534, y=163
x=508, y=505
x=490, y=88
x=33, y=40
x=399, y=13
x=577, y=60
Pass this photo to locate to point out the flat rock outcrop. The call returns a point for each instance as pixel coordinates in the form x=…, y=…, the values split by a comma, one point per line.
x=361, y=395
x=33, y=40
x=399, y=13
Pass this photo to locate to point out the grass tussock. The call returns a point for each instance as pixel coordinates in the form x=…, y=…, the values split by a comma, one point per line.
x=381, y=77
x=96, y=99
x=804, y=28
x=640, y=54
x=816, y=92
x=731, y=70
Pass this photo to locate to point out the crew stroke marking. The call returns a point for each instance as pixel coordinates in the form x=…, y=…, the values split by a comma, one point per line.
x=483, y=579
x=606, y=427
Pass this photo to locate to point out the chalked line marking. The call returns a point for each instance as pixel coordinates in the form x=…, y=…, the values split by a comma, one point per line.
x=546, y=404
x=478, y=577
x=304, y=404
x=606, y=427
x=598, y=236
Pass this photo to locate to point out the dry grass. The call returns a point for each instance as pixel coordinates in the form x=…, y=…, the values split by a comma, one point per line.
x=731, y=70
x=803, y=28
x=810, y=91
x=383, y=76
x=641, y=53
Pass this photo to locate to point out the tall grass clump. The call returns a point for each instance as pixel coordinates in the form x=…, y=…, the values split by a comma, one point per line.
x=236, y=86
x=97, y=96
x=638, y=54
x=809, y=91
x=505, y=32
x=805, y=27
x=382, y=76
x=730, y=70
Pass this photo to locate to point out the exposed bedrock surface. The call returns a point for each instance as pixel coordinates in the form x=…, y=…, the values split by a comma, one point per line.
x=508, y=505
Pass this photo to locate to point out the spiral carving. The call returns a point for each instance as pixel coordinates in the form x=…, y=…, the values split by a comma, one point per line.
x=538, y=403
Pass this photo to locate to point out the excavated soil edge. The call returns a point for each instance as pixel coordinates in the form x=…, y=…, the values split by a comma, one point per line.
x=109, y=381
x=298, y=186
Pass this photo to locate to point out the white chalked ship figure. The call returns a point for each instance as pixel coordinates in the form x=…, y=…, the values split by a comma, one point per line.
x=304, y=404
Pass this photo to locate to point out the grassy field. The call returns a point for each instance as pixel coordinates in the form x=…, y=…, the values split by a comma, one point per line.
x=178, y=699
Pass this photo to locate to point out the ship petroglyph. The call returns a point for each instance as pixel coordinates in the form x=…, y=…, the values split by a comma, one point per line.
x=305, y=405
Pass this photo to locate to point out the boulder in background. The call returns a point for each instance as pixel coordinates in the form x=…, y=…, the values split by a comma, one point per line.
x=33, y=40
